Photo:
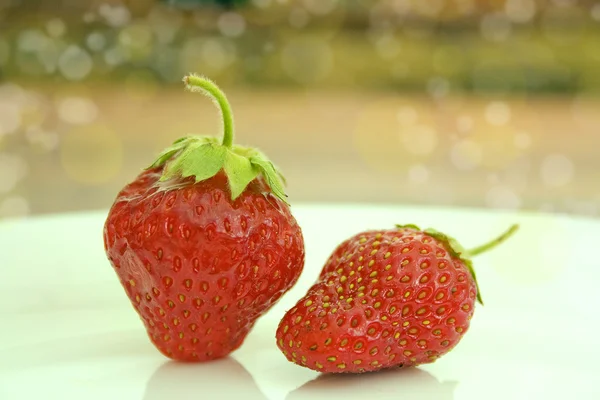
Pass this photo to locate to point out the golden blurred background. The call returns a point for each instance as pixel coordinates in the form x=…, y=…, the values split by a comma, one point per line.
x=478, y=103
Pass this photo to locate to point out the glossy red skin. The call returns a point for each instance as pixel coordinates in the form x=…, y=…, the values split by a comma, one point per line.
x=417, y=304
x=198, y=268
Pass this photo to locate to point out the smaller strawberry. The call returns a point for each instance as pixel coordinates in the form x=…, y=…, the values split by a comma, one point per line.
x=386, y=298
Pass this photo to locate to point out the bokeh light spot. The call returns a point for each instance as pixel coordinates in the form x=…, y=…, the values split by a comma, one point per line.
x=557, y=170
x=77, y=110
x=522, y=140
x=466, y=155
x=497, y=113
x=503, y=197
x=231, y=24
x=419, y=139
x=75, y=63
x=418, y=174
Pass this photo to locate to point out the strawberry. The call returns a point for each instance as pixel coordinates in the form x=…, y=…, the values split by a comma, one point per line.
x=386, y=298
x=203, y=242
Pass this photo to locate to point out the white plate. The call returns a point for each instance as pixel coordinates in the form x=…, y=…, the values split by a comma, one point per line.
x=68, y=332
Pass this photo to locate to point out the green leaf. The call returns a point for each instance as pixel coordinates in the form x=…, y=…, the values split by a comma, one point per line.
x=200, y=159
x=170, y=151
x=240, y=173
x=272, y=176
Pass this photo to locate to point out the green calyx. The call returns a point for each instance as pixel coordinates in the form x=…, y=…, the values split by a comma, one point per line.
x=458, y=251
x=202, y=157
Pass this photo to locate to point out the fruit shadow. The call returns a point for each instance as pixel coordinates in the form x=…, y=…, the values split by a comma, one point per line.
x=224, y=379
x=398, y=383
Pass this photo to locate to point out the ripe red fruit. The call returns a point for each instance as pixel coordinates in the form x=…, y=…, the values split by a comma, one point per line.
x=204, y=242
x=386, y=298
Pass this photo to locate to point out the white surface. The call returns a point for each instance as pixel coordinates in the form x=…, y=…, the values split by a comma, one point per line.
x=68, y=331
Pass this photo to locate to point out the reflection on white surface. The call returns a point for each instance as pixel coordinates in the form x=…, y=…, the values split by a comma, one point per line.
x=70, y=334
x=220, y=379
x=409, y=384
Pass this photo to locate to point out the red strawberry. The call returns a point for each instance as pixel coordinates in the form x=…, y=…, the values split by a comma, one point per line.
x=385, y=298
x=204, y=242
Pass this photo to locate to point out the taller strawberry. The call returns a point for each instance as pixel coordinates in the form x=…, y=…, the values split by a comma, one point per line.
x=203, y=241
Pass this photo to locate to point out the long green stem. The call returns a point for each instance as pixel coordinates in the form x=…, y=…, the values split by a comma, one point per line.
x=204, y=85
x=493, y=243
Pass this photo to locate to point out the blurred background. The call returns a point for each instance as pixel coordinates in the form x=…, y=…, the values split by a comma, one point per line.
x=485, y=103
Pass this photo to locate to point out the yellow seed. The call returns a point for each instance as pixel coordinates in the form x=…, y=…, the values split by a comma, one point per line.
x=397, y=335
x=424, y=278
x=387, y=255
x=421, y=311
x=392, y=309
x=334, y=310
x=377, y=305
x=404, y=263
x=451, y=320
x=344, y=342
x=371, y=263
x=405, y=250
x=298, y=319
x=363, y=239
x=426, y=322
x=374, y=251
x=375, y=363
x=373, y=274
x=374, y=292
x=351, y=273
x=376, y=243
x=341, y=366
x=319, y=365
x=326, y=305
x=132, y=282
x=340, y=270
x=407, y=352
x=388, y=267
x=465, y=307
x=340, y=290
x=424, y=265
x=422, y=295
x=357, y=362
x=308, y=303
x=360, y=258
x=407, y=294
x=384, y=318
x=349, y=300
x=331, y=359
x=327, y=341
x=405, y=278
x=405, y=323
x=402, y=342
x=459, y=329
x=343, y=278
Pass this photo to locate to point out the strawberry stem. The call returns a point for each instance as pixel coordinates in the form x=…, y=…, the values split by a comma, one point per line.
x=195, y=83
x=493, y=243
